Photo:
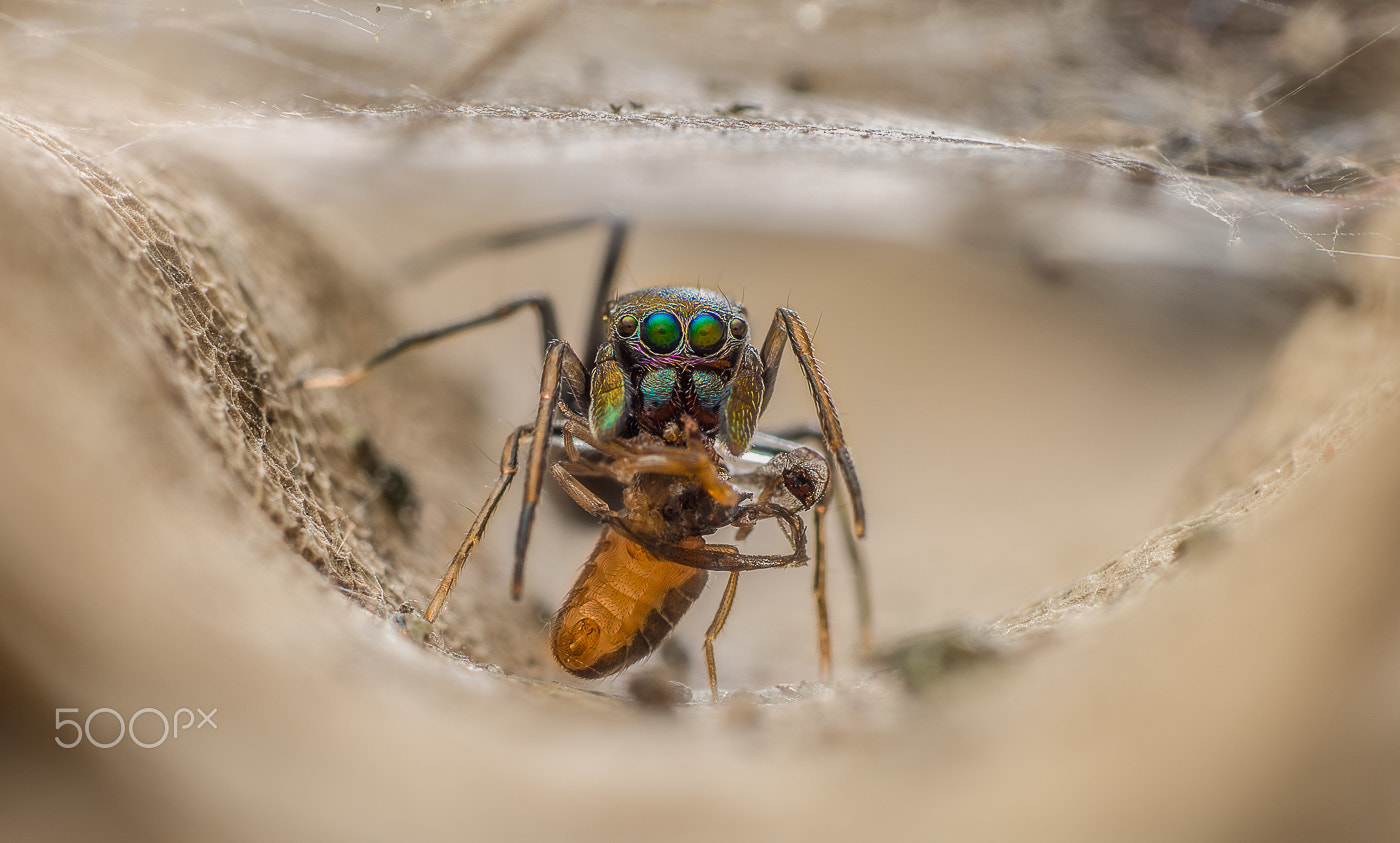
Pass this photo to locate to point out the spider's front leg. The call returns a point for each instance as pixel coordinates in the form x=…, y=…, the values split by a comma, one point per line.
x=561, y=366
x=788, y=329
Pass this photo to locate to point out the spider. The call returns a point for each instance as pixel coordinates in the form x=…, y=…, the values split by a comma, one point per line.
x=668, y=410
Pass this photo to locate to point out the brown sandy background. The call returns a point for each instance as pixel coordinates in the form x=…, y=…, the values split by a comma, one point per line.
x=1105, y=292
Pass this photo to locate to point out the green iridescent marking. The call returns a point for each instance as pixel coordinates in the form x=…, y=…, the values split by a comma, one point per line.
x=709, y=389
x=706, y=334
x=661, y=332
x=739, y=415
x=657, y=388
x=608, y=409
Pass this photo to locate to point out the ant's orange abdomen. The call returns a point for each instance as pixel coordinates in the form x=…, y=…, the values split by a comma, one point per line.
x=623, y=605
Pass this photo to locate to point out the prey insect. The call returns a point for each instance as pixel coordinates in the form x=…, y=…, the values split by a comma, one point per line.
x=667, y=410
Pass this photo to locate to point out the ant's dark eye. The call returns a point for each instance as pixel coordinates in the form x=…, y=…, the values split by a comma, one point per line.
x=661, y=332
x=627, y=326
x=739, y=328
x=706, y=334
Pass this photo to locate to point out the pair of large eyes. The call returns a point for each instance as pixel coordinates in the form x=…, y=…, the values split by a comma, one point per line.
x=661, y=331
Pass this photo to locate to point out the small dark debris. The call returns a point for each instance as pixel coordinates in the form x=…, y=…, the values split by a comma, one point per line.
x=1244, y=149
x=1142, y=173
x=390, y=481
x=924, y=660
x=542, y=612
x=674, y=656
x=412, y=625
x=738, y=109
x=1198, y=542
x=659, y=685
x=800, y=82
x=1343, y=295
x=652, y=690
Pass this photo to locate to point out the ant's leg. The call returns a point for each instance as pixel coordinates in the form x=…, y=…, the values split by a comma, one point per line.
x=623, y=461
x=788, y=328
x=560, y=363
x=819, y=589
x=797, y=476
x=785, y=442
x=726, y=557
x=796, y=479
x=795, y=469
x=449, y=578
x=331, y=378
x=582, y=495
x=715, y=558
x=725, y=604
x=690, y=465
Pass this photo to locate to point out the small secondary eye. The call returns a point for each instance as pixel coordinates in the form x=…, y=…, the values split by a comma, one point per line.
x=706, y=334
x=661, y=332
x=739, y=328
x=626, y=326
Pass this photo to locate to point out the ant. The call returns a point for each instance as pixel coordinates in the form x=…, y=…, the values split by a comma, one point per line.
x=667, y=410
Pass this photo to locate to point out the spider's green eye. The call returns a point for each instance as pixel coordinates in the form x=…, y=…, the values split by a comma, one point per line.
x=706, y=334
x=626, y=326
x=661, y=332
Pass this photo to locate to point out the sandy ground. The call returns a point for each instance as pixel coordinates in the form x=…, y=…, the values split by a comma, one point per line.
x=1114, y=351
